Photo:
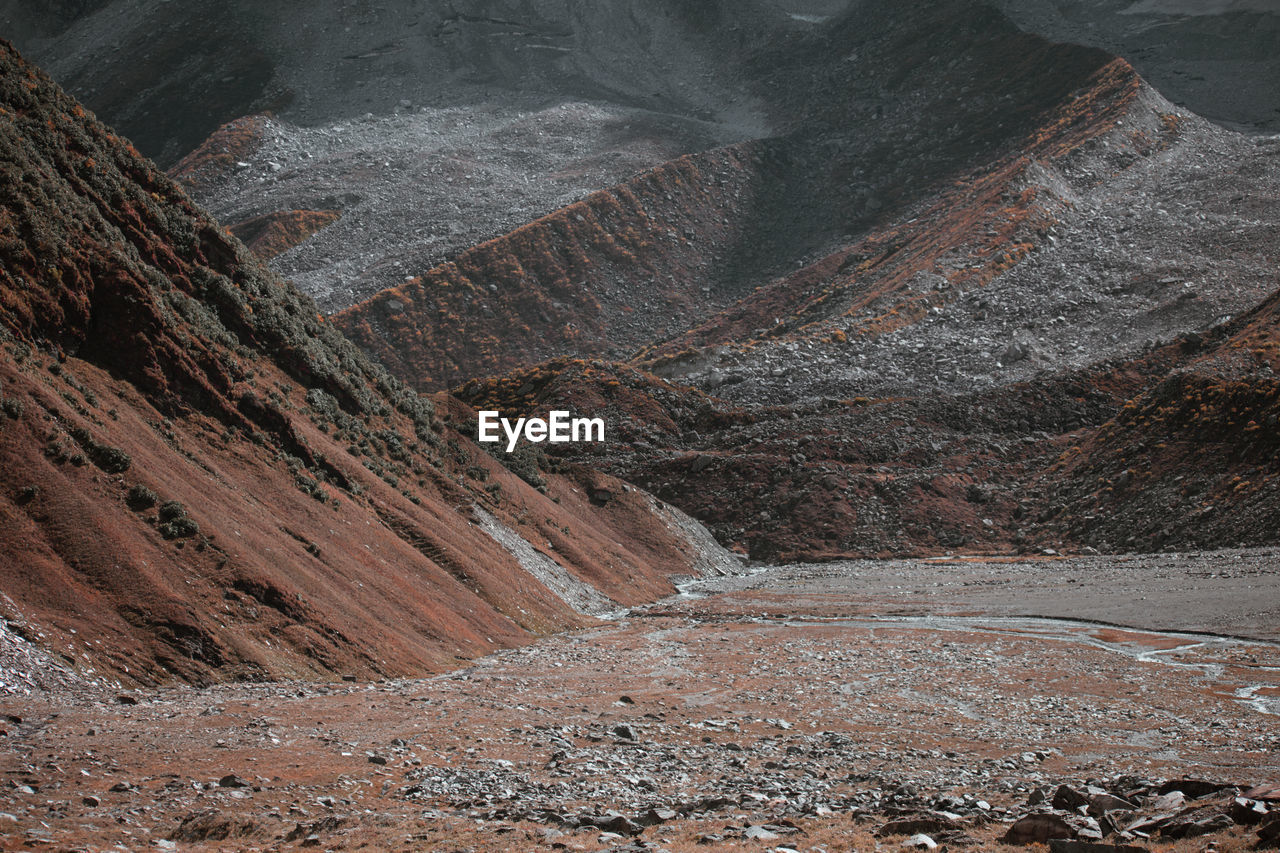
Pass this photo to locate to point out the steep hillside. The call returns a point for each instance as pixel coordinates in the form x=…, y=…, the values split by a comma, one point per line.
x=1215, y=57
x=990, y=370
x=168, y=75
x=858, y=144
x=201, y=478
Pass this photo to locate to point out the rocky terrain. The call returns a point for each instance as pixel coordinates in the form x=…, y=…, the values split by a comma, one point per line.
x=200, y=478
x=845, y=281
x=852, y=706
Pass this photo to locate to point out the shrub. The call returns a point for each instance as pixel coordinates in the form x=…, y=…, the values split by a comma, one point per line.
x=172, y=510
x=179, y=528
x=113, y=460
x=140, y=498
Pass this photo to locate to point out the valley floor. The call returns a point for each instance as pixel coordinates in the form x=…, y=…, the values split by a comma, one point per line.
x=801, y=707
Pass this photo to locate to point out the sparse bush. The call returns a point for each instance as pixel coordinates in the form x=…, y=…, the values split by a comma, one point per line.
x=140, y=498
x=179, y=528
x=171, y=510
x=12, y=407
x=113, y=460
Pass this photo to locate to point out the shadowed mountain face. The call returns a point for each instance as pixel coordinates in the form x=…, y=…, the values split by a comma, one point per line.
x=201, y=478
x=168, y=74
x=1215, y=57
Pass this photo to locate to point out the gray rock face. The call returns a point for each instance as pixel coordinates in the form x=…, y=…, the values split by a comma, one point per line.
x=1215, y=57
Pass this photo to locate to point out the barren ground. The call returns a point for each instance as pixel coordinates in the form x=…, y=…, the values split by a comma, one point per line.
x=815, y=700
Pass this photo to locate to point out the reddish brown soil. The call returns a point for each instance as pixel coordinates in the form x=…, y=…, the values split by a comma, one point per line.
x=325, y=515
x=790, y=700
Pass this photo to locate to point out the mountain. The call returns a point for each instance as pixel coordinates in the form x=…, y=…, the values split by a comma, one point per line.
x=168, y=75
x=915, y=284
x=201, y=478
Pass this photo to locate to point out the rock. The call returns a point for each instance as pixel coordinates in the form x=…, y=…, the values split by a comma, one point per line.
x=1247, y=812
x=625, y=732
x=915, y=824
x=1038, y=828
x=91, y=801
x=759, y=833
x=1193, y=788
x=1269, y=831
x=375, y=758
x=920, y=842
x=1268, y=793
x=1066, y=845
x=1168, y=802
x=1068, y=799
x=231, y=780
x=126, y=699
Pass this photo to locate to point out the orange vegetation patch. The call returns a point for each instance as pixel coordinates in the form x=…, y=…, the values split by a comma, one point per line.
x=540, y=291
x=273, y=233
x=218, y=154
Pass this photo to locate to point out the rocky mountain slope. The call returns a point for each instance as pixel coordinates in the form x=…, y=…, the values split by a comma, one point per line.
x=168, y=75
x=1211, y=56
x=201, y=478
x=951, y=379
x=912, y=306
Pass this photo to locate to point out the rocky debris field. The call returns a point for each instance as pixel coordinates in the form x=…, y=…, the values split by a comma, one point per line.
x=855, y=706
x=417, y=188
x=1134, y=251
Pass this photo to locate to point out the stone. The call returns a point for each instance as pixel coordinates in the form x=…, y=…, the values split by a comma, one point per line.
x=759, y=833
x=625, y=732
x=231, y=780
x=1247, y=812
x=1039, y=829
x=1069, y=799
x=375, y=758
x=920, y=842
x=1268, y=793
x=1066, y=845
x=91, y=801
x=126, y=699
